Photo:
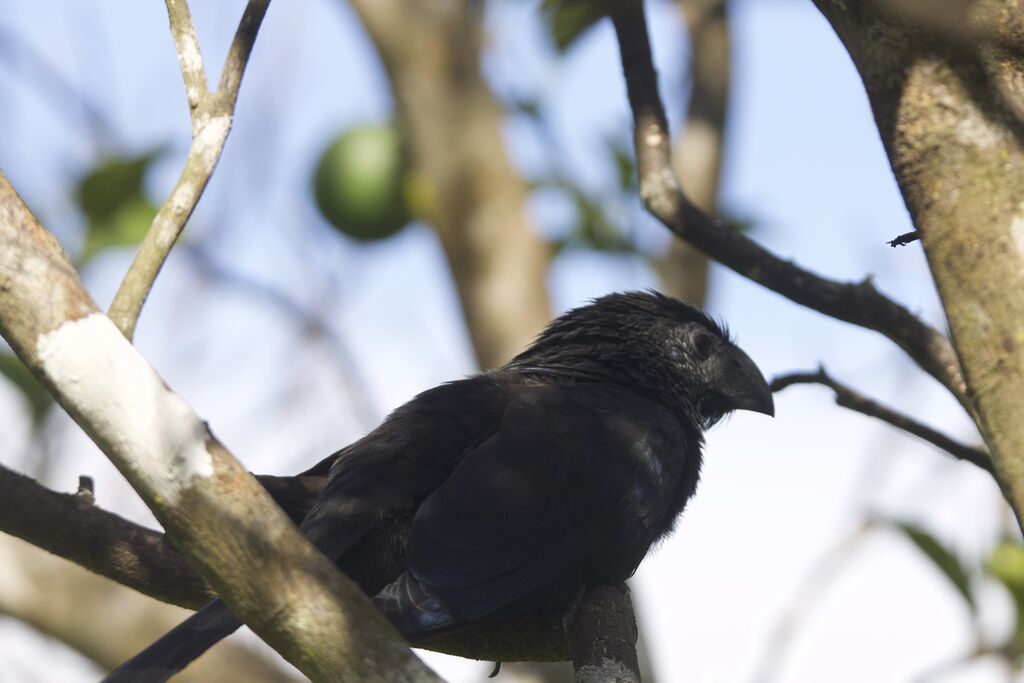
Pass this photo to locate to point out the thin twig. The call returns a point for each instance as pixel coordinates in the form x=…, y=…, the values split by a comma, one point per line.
x=190, y=57
x=848, y=398
x=904, y=239
x=269, y=575
x=212, y=114
x=857, y=303
x=238, y=53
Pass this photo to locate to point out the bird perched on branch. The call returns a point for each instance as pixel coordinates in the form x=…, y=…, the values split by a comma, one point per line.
x=499, y=493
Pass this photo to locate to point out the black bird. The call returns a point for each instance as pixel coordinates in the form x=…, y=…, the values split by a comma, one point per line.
x=501, y=492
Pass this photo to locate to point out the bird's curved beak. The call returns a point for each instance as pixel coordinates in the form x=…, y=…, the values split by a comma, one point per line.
x=743, y=385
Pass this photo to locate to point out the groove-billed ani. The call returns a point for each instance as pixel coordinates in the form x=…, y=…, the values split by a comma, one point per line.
x=501, y=492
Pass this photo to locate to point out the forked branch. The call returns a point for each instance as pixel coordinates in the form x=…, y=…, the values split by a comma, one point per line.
x=848, y=398
x=857, y=303
x=212, y=114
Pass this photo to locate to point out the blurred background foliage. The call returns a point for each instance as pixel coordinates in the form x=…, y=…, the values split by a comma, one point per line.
x=369, y=182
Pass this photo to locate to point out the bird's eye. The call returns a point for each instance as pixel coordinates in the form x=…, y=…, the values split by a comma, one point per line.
x=675, y=354
x=702, y=346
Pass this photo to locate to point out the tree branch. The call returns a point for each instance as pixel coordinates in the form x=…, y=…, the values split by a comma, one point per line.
x=146, y=561
x=848, y=398
x=70, y=527
x=238, y=53
x=603, y=637
x=212, y=115
x=959, y=167
x=266, y=572
x=108, y=623
x=190, y=57
x=860, y=304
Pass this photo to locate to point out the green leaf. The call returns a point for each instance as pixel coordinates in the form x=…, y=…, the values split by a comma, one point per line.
x=127, y=226
x=567, y=20
x=1006, y=565
x=944, y=559
x=112, y=183
x=113, y=199
x=38, y=398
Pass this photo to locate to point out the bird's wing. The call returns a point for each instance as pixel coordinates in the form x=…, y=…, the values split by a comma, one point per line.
x=375, y=484
x=574, y=487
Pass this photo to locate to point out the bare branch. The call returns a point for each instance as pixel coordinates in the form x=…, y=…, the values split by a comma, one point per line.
x=848, y=398
x=212, y=115
x=146, y=561
x=238, y=53
x=269, y=574
x=190, y=58
x=107, y=622
x=102, y=542
x=860, y=304
x=603, y=636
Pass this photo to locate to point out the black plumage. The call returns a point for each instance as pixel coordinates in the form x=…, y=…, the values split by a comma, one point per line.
x=498, y=493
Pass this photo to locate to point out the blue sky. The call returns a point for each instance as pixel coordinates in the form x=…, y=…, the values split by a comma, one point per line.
x=803, y=160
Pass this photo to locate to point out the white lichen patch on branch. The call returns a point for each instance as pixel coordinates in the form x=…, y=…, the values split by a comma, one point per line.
x=211, y=133
x=172, y=216
x=608, y=671
x=191, y=61
x=1017, y=233
x=148, y=431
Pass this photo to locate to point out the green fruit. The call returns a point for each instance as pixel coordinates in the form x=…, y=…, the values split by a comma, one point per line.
x=359, y=183
x=1007, y=564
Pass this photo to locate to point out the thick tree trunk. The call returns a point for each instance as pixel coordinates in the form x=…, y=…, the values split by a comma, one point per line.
x=946, y=99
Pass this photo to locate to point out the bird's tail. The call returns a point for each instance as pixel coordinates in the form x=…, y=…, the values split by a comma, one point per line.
x=178, y=647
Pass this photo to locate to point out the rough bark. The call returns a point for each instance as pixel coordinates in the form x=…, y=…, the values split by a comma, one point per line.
x=860, y=303
x=948, y=112
x=73, y=527
x=463, y=183
x=604, y=637
x=212, y=114
x=217, y=514
x=106, y=622
x=146, y=561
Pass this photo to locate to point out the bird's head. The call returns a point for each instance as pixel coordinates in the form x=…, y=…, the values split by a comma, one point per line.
x=654, y=344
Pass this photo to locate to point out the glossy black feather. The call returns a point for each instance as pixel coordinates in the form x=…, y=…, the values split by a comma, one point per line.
x=574, y=487
x=498, y=493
